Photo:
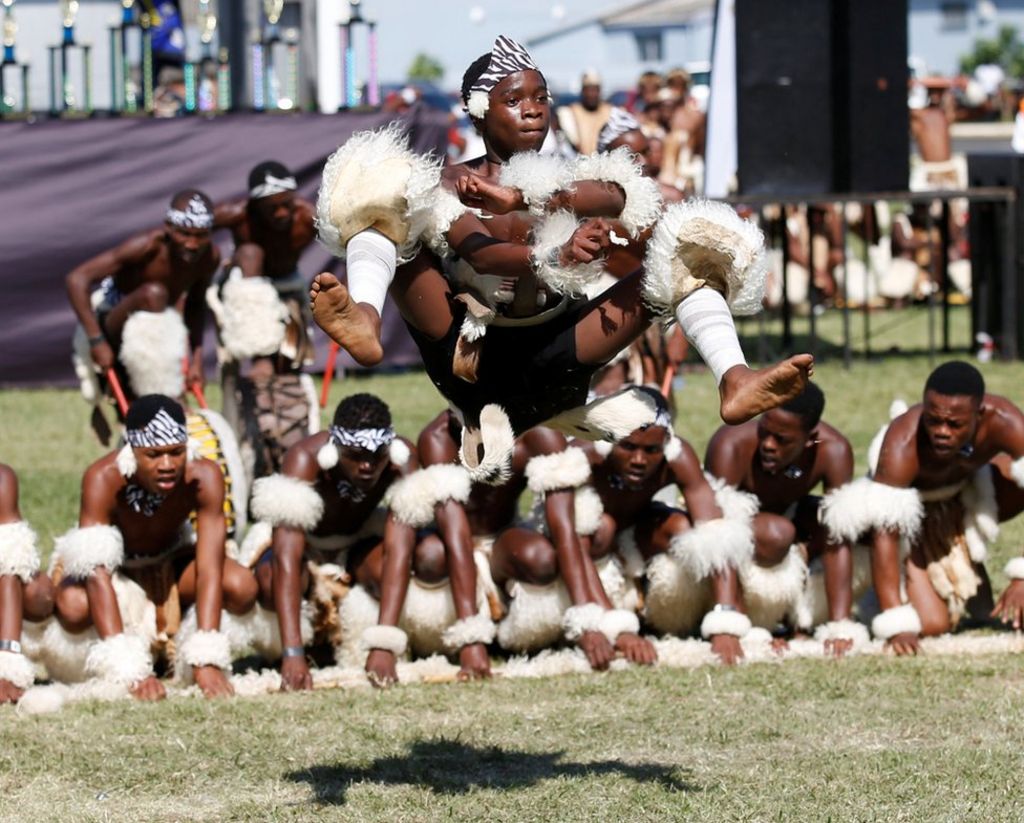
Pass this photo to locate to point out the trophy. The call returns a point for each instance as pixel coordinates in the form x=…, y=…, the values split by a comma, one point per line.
x=125, y=60
x=8, y=103
x=350, y=94
x=275, y=62
x=205, y=91
x=63, y=97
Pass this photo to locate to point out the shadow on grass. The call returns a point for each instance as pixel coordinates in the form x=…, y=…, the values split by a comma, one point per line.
x=448, y=767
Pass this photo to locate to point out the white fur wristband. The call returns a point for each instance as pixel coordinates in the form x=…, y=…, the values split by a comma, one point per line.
x=734, y=623
x=385, y=638
x=207, y=648
x=1015, y=569
x=82, y=551
x=476, y=629
x=18, y=553
x=899, y=620
x=578, y=620
x=121, y=658
x=17, y=669
x=616, y=622
x=843, y=630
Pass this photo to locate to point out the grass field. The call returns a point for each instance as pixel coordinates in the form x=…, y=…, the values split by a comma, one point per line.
x=863, y=739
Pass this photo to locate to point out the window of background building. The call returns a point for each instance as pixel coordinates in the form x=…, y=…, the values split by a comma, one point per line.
x=649, y=46
x=954, y=16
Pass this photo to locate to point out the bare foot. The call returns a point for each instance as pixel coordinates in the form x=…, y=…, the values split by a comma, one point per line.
x=474, y=663
x=353, y=326
x=746, y=393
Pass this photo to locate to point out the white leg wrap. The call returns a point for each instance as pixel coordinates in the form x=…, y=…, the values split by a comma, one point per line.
x=899, y=620
x=371, y=261
x=17, y=669
x=706, y=321
x=122, y=658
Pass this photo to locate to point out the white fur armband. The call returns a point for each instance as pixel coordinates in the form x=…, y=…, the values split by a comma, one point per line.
x=899, y=620
x=580, y=619
x=445, y=209
x=843, y=630
x=735, y=623
x=413, y=498
x=735, y=505
x=588, y=510
x=1017, y=471
x=643, y=197
x=566, y=469
x=17, y=669
x=286, y=501
x=207, y=648
x=476, y=629
x=121, y=658
x=616, y=622
x=253, y=319
x=386, y=638
x=82, y=551
x=713, y=546
x=858, y=507
x=1015, y=569
x=550, y=234
x=537, y=176
x=18, y=553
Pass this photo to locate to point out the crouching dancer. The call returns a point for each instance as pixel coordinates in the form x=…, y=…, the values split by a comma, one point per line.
x=125, y=574
x=781, y=458
x=946, y=472
x=682, y=561
x=322, y=518
x=24, y=591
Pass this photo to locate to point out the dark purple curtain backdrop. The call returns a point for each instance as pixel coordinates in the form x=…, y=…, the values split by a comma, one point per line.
x=71, y=189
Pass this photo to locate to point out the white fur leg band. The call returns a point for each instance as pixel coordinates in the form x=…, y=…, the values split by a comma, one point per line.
x=616, y=622
x=707, y=323
x=899, y=620
x=567, y=469
x=713, y=546
x=550, y=234
x=476, y=629
x=207, y=648
x=253, y=318
x=414, y=498
x=843, y=630
x=122, y=658
x=385, y=638
x=371, y=263
x=578, y=620
x=82, y=551
x=858, y=507
x=17, y=669
x=153, y=344
x=286, y=501
x=734, y=623
x=643, y=198
x=18, y=553
x=1015, y=569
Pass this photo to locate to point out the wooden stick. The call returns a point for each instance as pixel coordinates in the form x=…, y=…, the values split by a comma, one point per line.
x=115, y=386
x=197, y=390
x=332, y=357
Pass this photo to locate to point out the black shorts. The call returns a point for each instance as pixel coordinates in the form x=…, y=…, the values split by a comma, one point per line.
x=530, y=371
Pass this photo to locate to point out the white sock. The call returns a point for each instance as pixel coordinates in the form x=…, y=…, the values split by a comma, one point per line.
x=371, y=260
x=706, y=321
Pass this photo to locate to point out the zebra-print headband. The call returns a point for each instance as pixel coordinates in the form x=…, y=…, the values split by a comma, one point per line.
x=507, y=57
x=162, y=430
x=369, y=439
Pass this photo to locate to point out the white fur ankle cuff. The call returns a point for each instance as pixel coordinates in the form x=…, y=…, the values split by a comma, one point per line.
x=385, y=638
x=207, y=648
x=17, y=670
x=736, y=624
x=122, y=658
x=843, y=630
x=1015, y=569
x=286, y=501
x=578, y=620
x=82, y=551
x=18, y=553
x=616, y=622
x=899, y=620
x=476, y=629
